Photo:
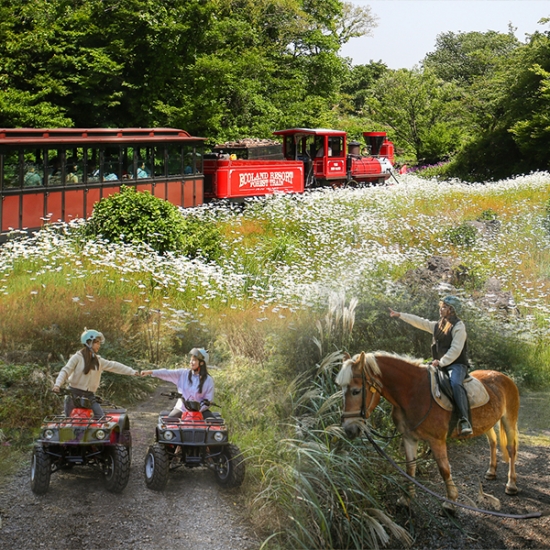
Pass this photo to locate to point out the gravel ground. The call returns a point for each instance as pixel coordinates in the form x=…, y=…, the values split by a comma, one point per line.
x=194, y=512
x=469, y=461
x=77, y=512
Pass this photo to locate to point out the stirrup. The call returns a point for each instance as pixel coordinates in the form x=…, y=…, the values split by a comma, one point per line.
x=464, y=427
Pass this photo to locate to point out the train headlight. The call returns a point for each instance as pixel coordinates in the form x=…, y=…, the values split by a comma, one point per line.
x=48, y=434
x=218, y=436
x=100, y=434
x=168, y=435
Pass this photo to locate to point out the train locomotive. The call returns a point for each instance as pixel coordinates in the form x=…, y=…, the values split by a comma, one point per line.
x=308, y=158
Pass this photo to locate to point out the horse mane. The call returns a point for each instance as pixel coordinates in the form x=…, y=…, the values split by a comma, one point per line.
x=401, y=357
x=343, y=378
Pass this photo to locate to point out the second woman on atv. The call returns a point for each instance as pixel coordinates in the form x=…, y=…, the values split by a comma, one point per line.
x=194, y=383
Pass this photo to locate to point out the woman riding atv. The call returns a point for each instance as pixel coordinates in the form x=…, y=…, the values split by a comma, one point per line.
x=194, y=383
x=83, y=371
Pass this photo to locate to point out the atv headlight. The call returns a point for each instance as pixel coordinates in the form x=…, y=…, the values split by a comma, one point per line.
x=100, y=434
x=218, y=436
x=48, y=434
x=168, y=435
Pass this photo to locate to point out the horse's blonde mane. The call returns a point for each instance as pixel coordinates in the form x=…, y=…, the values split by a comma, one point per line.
x=343, y=378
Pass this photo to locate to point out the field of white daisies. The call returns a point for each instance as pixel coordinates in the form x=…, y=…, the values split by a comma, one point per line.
x=298, y=279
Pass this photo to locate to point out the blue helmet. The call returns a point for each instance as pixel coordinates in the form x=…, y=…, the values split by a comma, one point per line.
x=200, y=353
x=88, y=335
x=453, y=302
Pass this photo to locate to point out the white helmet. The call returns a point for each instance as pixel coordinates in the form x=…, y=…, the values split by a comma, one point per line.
x=200, y=353
x=88, y=335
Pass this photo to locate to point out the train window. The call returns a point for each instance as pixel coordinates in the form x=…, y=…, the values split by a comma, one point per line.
x=11, y=174
x=74, y=166
x=159, y=170
x=336, y=145
x=174, y=160
x=34, y=168
x=192, y=160
x=111, y=164
x=54, y=161
x=289, y=147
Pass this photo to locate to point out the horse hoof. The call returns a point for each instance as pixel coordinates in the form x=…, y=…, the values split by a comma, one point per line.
x=511, y=490
x=448, y=509
x=489, y=475
x=403, y=502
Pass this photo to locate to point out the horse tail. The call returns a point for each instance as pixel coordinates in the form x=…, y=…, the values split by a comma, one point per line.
x=503, y=441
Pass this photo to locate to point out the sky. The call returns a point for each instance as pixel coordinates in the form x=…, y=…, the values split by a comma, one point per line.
x=407, y=29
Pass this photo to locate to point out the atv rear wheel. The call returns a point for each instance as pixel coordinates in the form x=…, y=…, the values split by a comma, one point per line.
x=157, y=466
x=230, y=467
x=41, y=471
x=117, y=469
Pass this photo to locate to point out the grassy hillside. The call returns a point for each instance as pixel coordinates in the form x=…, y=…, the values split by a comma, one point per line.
x=298, y=280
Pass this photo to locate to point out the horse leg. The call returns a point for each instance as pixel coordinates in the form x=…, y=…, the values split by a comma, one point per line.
x=509, y=443
x=439, y=450
x=411, y=450
x=491, y=473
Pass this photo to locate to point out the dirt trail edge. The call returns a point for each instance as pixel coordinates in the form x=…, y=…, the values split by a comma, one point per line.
x=78, y=513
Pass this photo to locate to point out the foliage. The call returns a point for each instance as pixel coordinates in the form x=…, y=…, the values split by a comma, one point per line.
x=139, y=217
x=422, y=112
x=465, y=57
x=219, y=69
x=463, y=235
x=514, y=138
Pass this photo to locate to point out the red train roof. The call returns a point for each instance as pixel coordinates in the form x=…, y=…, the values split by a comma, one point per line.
x=81, y=136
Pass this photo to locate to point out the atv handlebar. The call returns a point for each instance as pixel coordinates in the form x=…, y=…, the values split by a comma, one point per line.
x=186, y=402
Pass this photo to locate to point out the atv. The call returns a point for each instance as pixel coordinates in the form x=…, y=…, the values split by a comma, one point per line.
x=192, y=441
x=82, y=440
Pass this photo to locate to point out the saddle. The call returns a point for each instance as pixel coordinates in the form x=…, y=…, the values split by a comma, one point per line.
x=441, y=390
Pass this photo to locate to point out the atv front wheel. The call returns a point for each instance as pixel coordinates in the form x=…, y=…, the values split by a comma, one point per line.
x=117, y=469
x=230, y=467
x=157, y=466
x=41, y=471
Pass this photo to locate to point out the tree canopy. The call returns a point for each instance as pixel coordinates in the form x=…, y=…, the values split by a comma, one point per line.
x=226, y=69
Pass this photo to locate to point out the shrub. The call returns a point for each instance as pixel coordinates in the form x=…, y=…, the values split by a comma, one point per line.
x=463, y=235
x=139, y=217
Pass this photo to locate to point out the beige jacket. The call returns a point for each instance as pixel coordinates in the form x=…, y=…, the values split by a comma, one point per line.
x=458, y=332
x=73, y=371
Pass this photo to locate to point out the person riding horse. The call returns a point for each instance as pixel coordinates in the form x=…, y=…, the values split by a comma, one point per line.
x=449, y=351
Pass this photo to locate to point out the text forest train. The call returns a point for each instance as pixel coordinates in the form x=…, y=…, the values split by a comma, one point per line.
x=59, y=174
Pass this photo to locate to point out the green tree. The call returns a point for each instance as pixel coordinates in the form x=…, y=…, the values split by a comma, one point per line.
x=466, y=56
x=219, y=68
x=517, y=140
x=422, y=112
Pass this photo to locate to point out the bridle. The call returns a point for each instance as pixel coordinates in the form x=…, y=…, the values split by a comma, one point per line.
x=373, y=387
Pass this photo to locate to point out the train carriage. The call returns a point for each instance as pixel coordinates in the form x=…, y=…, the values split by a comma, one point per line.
x=59, y=174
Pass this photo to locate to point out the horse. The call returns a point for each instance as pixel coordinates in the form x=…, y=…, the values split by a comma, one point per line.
x=404, y=382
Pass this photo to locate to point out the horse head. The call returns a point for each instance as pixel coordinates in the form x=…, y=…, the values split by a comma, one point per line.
x=359, y=379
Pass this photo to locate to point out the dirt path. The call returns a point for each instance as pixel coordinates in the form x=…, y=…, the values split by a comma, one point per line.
x=469, y=461
x=77, y=512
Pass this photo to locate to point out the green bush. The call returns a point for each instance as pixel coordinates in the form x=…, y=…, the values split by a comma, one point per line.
x=139, y=217
x=463, y=235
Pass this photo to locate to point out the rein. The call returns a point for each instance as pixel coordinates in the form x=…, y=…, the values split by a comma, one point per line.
x=385, y=455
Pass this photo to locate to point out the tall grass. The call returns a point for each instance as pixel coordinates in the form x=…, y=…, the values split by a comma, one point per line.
x=298, y=281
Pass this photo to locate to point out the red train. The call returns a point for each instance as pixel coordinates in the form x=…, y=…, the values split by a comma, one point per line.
x=59, y=174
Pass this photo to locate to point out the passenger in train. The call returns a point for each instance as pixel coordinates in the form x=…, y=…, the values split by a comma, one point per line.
x=32, y=179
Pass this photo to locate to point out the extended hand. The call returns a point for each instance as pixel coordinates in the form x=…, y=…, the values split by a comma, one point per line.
x=394, y=313
x=146, y=372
